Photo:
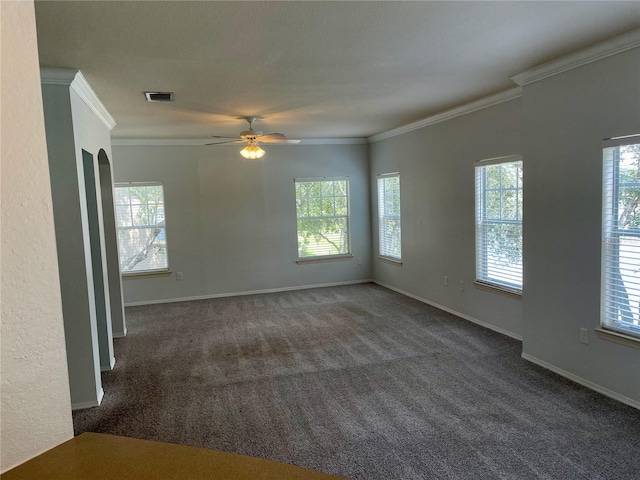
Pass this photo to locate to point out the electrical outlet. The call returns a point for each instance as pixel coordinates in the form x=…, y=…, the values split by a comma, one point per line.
x=461, y=286
x=446, y=281
x=359, y=260
x=179, y=276
x=584, y=335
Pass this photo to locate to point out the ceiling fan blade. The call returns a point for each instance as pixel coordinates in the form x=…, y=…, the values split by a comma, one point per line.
x=272, y=135
x=227, y=142
x=276, y=138
x=282, y=141
x=253, y=135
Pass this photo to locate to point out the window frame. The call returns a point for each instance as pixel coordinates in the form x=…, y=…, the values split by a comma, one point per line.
x=610, y=329
x=145, y=272
x=382, y=216
x=334, y=256
x=483, y=279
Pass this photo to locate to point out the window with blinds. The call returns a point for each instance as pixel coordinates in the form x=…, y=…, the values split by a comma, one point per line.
x=621, y=236
x=389, y=233
x=142, y=240
x=322, y=208
x=499, y=222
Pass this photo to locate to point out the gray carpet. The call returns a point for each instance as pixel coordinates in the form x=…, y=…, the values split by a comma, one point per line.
x=357, y=381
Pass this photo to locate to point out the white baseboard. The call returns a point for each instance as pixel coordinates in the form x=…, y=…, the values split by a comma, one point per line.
x=586, y=383
x=90, y=404
x=251, y=292
x=112, y=363
x=120, y=334
x=458, y=314
x=593, y=386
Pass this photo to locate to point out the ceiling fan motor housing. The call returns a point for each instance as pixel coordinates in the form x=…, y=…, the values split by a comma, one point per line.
x=250, y=134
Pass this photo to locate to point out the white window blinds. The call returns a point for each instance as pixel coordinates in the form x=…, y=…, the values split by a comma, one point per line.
x=140, y=219
x=389, y=233
x=322, y=209
x=499, y=222
x=621, y=236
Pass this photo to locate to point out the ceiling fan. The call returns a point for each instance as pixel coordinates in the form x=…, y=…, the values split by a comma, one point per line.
x=251, y=137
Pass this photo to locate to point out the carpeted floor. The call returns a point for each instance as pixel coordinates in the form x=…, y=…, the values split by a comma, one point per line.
x=357, y=381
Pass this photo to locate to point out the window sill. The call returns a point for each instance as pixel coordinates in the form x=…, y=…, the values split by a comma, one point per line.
x=394, y=261
x=132, y=275
x=332, y=258
x=621, y=338
x=497, y=289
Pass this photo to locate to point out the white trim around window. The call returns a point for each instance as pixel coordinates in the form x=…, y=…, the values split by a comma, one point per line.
x=620, y=257
x=499, y=202
x=389, y=219
x=322, y=219
x=140, y=220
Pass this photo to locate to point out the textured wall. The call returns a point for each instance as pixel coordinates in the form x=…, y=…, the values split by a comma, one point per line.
x=36, y=413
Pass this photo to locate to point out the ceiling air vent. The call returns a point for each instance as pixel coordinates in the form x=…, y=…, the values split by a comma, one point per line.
x=159, y=96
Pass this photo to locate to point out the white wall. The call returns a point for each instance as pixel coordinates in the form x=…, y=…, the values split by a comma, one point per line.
x=36, y=408
x=437, y=194
x=231, y=222
x=90, y=135
x=566, y=118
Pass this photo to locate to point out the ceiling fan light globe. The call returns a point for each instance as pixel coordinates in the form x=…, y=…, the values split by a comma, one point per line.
x=252, y=152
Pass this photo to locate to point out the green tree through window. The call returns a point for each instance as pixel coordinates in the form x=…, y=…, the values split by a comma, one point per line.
x=322, y=210
x=141, y=227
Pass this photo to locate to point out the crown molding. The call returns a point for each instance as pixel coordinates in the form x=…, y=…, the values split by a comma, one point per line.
x=485, y=102
x=76, y=81
x=334, y=141
x=86, y=93
x=159, y=141
x=57, y=76
x=613, y=46
x=204, y=141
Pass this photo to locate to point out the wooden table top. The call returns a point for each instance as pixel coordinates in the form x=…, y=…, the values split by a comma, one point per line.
x=94, y=456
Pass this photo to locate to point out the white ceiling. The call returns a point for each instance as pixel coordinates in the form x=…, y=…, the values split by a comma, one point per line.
x=308, y=69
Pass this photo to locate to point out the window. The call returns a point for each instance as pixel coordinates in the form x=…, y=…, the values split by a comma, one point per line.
x=389, y=235
x=499, y=222
x=322, y=207
x=141, y=230
x=621, y=236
